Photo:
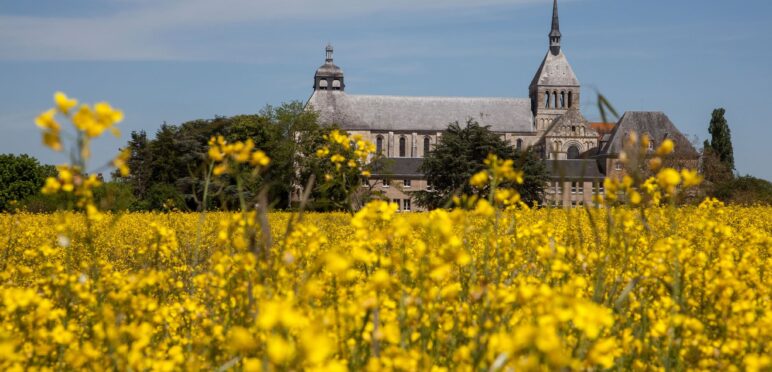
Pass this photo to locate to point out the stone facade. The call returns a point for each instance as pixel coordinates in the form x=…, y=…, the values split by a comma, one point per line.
x=549, y=121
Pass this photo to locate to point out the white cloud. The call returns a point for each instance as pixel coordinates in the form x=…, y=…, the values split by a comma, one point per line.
x=144, y=30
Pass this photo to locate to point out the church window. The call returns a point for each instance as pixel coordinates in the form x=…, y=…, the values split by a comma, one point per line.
x=427, y=145
x=379, y=145
x=555, y=99
x=573, y=128
x=519, y=144
x=402, y=147
x=323, y=84
x=570, y=99
x=547, y=100
x=562, y=99
x=573, y=152
x=336, y=84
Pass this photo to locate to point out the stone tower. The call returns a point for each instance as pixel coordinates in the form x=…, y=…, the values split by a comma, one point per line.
x=329, y=76
x=555, y=88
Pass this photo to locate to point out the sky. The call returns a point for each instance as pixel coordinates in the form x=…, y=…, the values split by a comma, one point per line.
x=170, y=61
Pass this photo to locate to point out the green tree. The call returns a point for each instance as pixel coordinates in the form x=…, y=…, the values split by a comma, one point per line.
x=721, y=138
x=21, y=176
x=176, y=158
x=460, y=153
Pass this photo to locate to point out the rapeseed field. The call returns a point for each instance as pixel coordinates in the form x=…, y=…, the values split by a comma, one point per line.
x=491, y=284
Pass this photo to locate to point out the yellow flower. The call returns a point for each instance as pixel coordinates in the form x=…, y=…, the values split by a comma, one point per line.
x=279, y=350
x=241, y=339
x=668, y=179
x=47, y=121
x=480, y=179
x=63, y=103
x=666, y=147
x=259, y=158
x=121, y=162
x=691, y=177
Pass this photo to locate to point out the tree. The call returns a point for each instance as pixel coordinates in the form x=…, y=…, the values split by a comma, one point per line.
x=21, y=176
x=745, y=190
x=460, y=153
x=175, y=161
x=721, y=138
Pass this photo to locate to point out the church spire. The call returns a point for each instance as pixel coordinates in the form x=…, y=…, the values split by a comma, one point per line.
x=555, y=33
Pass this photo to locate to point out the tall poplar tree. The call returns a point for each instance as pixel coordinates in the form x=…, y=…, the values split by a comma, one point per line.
x=721, y=138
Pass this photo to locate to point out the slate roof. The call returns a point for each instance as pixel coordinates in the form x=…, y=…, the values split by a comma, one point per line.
x=555, y=70
x=401, y=113
x=574, y=169
x=398, y=167
x=656, y=124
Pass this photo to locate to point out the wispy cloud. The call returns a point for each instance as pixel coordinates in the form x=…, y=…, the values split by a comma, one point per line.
x=149, y=30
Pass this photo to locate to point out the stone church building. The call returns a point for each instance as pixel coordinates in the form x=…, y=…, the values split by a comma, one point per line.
x=405, y=129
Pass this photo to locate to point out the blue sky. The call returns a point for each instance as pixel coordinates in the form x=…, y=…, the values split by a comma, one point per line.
x=178, y=60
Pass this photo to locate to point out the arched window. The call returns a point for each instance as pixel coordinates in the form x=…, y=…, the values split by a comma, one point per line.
x=547, y=100
x=401, y=147
x=519, y=144
x=570, y=99
x=555, y=99
x=379, y=145
x=573, y=152
x=336, y=84
x=562, y=99
x=323, y=84
x=427, y=145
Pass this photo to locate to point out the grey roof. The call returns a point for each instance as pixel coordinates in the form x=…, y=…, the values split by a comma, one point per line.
x=656, y=124
x=394, y=113
x=398, y=167
x=574, y=169
x=571, y=117
x=555, y=71
x=329, y=69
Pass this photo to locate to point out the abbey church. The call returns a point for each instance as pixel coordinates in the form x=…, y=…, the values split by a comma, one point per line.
x=578, y=154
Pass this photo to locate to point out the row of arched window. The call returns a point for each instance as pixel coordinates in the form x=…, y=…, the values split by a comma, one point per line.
x=402, y=145
x=557, y=99
x=324, y=85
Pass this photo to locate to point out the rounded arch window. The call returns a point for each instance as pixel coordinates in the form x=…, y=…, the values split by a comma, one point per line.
x=547, y=100
x=570, y=99
x=562, y=99
x=323, y=84
x=402, y=147
x=555, y=99
x=336, y=84
x=573, y=152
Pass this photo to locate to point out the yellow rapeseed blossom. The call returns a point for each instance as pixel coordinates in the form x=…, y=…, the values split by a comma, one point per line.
x=488, y=285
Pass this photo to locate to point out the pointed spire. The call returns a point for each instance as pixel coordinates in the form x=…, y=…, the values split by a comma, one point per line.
x=555, y=32
x=329, y=53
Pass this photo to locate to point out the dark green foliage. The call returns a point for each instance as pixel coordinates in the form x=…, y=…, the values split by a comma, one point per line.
x=460, y=153
x=744, y=190
x=175, y=162
x=21, y=177
x=721, y=138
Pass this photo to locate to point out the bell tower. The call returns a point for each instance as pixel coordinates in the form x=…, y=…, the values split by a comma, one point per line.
x=554, y=89
x=329, y=76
